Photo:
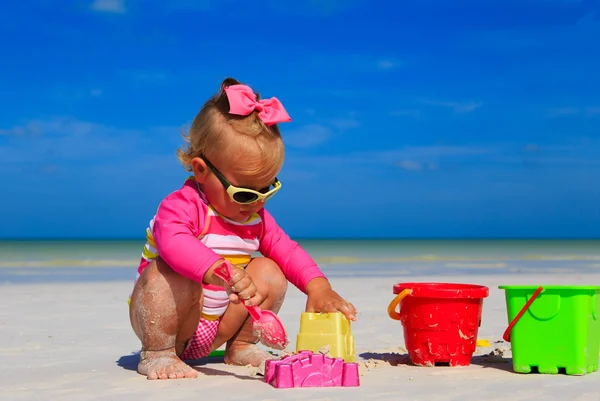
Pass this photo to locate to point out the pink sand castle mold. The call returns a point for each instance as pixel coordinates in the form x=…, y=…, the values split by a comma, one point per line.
x=306, y=369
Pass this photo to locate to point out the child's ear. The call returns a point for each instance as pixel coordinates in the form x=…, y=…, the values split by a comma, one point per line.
x=200, y=169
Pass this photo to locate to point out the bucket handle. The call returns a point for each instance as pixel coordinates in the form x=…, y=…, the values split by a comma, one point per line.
x=506, y=335
x=392, y=306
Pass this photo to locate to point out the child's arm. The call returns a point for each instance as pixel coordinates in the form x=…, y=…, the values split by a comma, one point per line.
x=322, y=298
x=295, y=262
x=301, y=270
x=179, y=220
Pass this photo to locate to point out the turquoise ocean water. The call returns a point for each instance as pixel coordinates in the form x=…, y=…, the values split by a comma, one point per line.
x=51, y=261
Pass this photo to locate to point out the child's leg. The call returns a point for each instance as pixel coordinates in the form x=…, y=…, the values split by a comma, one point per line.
x=236, y=325
x=164, y=312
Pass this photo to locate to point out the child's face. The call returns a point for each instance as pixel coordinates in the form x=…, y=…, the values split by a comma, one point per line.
x=233, y=172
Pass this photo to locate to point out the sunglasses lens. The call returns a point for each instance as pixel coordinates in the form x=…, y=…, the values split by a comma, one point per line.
x=245, y=197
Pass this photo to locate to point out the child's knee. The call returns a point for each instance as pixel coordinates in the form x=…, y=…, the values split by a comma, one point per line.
x=271, y=275
x=159, y=277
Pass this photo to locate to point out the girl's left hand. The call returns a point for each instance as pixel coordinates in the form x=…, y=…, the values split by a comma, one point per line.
x=322, y=298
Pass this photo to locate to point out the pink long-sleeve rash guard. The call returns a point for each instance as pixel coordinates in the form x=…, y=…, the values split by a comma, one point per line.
x=180, y=221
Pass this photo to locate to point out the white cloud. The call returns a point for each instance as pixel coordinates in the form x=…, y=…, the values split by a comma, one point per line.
x=343, y=124
x=311, y=8
x=14, y=131
x=50, y=169
x=385, y=64
x=447, y=150
x=108, y=6
x=57, y=127
x=580, y=152
x=350, y=62
x=463, y=107
x=407, y=157
x=457, y=107
x=388, y=64
x=312, y=135
x=579, y=157
x=532, y=147
x=75, y=93
x=68, y=140
x=62, y=140
x=308, y=136
x=410, y=165
x=592, y=111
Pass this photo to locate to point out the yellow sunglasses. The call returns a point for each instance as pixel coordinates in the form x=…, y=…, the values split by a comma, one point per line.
x=244, y=196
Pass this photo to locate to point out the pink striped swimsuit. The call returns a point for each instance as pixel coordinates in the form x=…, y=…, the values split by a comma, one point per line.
x=190, y=236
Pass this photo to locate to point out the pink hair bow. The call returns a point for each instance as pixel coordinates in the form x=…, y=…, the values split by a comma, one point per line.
x=242, y=101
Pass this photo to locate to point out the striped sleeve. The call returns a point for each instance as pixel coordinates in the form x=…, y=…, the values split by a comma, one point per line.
x=149, y=252
x=179, y=221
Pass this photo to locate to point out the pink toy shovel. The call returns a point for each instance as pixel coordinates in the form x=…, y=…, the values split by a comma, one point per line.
x=265, y=324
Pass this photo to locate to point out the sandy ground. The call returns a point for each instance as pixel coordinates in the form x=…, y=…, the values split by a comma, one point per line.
x=73, y=342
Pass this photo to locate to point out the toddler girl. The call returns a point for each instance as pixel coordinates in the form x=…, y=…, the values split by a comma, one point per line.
x=179, y=309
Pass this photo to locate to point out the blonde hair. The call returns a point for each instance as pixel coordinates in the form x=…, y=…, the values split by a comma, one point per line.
x=211, y=135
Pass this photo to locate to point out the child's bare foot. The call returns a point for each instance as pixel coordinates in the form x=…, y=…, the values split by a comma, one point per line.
x=246, y=354
x=164, y=365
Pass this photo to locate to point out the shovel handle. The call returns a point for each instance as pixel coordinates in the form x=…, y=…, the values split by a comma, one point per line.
x=224, y=273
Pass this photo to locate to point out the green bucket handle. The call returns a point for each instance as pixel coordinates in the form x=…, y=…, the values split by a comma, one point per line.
x=506, y=335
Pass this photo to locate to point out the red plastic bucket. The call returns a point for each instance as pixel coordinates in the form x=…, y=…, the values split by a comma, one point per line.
x=440, y=321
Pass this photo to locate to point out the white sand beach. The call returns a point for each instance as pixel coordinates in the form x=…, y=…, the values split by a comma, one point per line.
x=73, y=341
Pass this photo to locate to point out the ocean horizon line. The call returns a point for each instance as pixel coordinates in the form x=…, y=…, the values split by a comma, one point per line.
x=128, y=239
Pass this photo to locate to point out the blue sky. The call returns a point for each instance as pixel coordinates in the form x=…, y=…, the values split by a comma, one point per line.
x=458, y=118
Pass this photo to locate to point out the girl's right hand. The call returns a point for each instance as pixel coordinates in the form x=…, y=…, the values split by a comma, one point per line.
x=240, y=287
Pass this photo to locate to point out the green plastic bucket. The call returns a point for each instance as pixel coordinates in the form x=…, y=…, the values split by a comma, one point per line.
x=553, y=328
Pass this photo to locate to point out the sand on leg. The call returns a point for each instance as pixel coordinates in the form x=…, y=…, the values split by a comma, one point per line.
x=236, y=325
x=164, y=313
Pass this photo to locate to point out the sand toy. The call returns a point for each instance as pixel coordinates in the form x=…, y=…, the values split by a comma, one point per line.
x=440, y=321
x=308, y=369
x=553, y=328
x=328, y=332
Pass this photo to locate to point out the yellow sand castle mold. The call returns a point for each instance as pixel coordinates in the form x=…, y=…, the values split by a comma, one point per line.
x=319, y=331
